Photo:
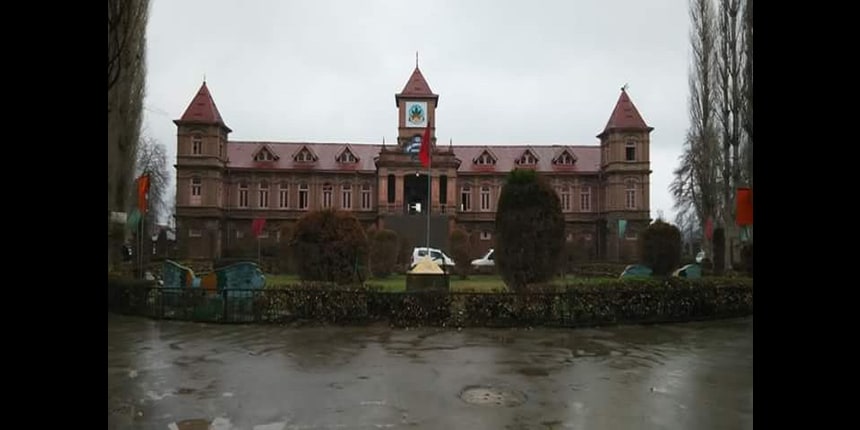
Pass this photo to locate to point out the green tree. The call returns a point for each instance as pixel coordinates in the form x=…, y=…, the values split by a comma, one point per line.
x=661, y=247
x=461, y=252
x=383, y=252
x=126, y=88
x=330, y=246
x=529, y=230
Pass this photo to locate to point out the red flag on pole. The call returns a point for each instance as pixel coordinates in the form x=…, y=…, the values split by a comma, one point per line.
x=424, y=153
x=744, y=209
x=142, y=190
x=257, y=226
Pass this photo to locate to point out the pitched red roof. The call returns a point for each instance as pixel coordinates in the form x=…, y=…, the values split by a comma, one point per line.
x=202, y=109
x=241, y=155
x=417, y=86
x=625, y=116
x=587, y=158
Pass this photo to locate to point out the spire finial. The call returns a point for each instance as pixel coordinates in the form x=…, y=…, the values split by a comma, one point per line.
x=624, y=88
x=204, y=78
x=451, y=144
x=416, y=59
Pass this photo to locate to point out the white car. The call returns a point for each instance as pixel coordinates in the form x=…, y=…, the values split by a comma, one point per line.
x=485, y=263
x=445, y=262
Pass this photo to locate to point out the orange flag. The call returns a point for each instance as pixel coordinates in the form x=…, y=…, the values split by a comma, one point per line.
x=744, y=209
x=142, y=190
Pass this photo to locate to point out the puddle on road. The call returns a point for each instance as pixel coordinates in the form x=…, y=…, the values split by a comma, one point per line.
x=492, y=396
x=201, y=424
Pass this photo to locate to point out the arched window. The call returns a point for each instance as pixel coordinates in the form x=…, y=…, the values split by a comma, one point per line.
x=196, y=190
x=196, y=144
x=243, y=195
x=485, y=198
x=630, y=194
x=263, y=200
x=326, y=195
x=585, y=199
x=283, y=195
x=564, y=197
x=466, y=198
x=630, y=151
x=303, y=196
x=365, y=196
x=346, y=196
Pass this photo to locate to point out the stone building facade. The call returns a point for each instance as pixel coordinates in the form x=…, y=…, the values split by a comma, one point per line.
x=223, y=185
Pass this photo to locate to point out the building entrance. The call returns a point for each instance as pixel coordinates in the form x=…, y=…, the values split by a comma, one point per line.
x=415, y=193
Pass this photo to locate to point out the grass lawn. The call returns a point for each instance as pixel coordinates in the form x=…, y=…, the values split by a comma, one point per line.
x=475, y=283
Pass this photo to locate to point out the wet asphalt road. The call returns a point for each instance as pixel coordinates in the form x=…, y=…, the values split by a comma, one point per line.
x=187, y=376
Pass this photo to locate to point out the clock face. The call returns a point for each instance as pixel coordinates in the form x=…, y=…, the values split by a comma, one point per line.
x=416, y=114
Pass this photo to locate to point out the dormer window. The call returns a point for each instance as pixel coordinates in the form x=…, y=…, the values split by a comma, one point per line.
x=264, y=155
x=347, y=157
x=305, y=156
x=485, y=159
x=528, y=158
x=565, y=159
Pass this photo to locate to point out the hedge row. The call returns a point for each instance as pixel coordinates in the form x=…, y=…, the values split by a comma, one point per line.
x=624, y=301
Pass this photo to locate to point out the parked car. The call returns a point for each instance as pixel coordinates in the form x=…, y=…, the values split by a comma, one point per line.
x=487, y=263
x=444, y=261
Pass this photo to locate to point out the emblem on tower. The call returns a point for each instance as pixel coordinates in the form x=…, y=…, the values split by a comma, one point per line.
x=416, y=114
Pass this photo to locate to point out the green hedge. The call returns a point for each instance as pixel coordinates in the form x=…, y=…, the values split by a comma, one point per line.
x=613, y=302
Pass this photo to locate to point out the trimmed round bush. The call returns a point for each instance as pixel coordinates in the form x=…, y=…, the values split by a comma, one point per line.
x=330, y=246
x=529, y=230
x=661, y=247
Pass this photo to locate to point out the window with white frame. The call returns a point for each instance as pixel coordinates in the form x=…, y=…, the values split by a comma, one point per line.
x=485, y=159
x=347, y=157
x=564, y=195
x=565, y=159
x=326, y=196
x=243, y=195
x=630, y=193
x=630, y=151
x=485, y=198
x=196, y=190
x=304, y=156
x=263, y=201
x=193, y=232
x=585, y=199
x=196, y=145
x=527, y=158
x=365, y=196
x=303, y=196
x=283, y=195
x=239, y=234
x=346, y=196
x=466, y=198
x=486, y=235
x=264, y=155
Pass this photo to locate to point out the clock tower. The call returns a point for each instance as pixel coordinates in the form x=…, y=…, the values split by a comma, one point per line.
x=416, y=110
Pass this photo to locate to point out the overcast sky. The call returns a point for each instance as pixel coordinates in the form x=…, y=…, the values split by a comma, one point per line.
x=507, y=71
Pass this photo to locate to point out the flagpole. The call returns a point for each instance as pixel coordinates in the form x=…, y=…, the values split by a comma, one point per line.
x=429, y=192
x=140, y=228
